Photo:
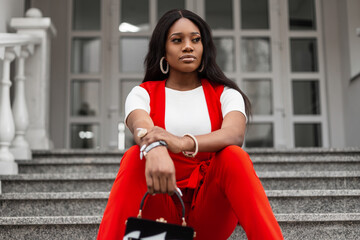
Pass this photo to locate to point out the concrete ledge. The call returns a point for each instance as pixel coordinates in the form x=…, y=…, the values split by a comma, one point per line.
x=67, y=161
x=308, y=174
x=77, y=152
x=318, y=217
x=249, y=150
x=105, y=195
x=294, y=226
x=50, y=220
x=314, y=193
x=273, y=174
x=73, y=176
x=8, y=167
x=281, y=218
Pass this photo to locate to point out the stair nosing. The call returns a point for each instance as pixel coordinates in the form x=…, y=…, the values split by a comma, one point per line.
x=68, y=162
x=60, y=176
x=105, y=195
x=54, y=196
x=318, y=217
x=94, y=160
x=50, y=220
x=107, y=176
x=116, y=152
x=84, y=220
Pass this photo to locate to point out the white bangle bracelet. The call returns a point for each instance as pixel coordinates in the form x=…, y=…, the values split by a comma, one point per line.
x=191, y=154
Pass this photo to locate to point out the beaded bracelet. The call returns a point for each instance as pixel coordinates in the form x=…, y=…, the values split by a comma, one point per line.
x=191, y=154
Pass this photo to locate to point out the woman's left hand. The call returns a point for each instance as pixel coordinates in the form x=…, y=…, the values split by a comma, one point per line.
x=174, y=143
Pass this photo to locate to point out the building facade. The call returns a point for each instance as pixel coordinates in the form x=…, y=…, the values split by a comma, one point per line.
x=297, y=60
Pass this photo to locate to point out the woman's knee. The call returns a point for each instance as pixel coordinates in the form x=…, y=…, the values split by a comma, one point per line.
x=234, y=157
x=131, y=164
x=131, y=155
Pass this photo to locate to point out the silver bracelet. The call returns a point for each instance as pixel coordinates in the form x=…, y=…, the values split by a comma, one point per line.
x=145, y=149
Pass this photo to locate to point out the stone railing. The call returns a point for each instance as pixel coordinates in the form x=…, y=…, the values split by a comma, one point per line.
x=22, y=130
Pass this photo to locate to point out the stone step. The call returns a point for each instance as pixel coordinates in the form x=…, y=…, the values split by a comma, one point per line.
x=110, y=164
x=306, y=164
x=71, y=165
x=53, y=204
x=294, y=226
x=102, y=182
x=334, y=226
x=93, y=203
x=75, y=182
x=295, y=152
x=95, y=161
x=310, y=180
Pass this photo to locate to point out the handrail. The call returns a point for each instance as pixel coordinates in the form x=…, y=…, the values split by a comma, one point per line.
x=355, y=77
x=15, y=39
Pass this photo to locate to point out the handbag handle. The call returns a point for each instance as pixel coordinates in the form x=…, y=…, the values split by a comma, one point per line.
x=181, y=201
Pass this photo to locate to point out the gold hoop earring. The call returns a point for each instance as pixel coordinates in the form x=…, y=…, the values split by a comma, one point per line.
x=162, y=68
x=202, y=67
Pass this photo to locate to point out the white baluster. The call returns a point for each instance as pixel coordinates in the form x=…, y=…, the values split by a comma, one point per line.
x=38, y=66
x=20, y=147
x=7, y=128
x=121, y=136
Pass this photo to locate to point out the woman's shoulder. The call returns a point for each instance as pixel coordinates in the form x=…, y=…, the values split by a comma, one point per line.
x=153, y=84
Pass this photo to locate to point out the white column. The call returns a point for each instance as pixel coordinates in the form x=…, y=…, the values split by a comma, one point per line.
x=37, y=70
x=7, y=128
x=20, y=147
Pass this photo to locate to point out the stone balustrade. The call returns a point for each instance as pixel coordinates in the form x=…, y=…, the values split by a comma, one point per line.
x=13, y=123
x=29, y=48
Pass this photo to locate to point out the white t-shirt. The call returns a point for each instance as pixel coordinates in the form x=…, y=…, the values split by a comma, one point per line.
x=185, y=111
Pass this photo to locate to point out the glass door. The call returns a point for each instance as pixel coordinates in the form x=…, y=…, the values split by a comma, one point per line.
x=247, y=39
x=132, y=24
x=304, y=74
x=86, y=73
x=271, y=48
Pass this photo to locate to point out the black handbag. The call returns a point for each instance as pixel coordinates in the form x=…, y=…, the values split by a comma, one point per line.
x=143, y=229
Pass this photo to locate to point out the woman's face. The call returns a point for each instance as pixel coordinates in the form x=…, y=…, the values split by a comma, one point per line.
x=183, y=47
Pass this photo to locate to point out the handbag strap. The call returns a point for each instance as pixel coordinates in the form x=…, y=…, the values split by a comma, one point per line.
x=181, y=201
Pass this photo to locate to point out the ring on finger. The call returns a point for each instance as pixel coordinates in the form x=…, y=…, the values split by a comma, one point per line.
x=141, y=132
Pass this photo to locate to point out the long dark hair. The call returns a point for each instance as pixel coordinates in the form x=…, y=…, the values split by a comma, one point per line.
x=211, y=71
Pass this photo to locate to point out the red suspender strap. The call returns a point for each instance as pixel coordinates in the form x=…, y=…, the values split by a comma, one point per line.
x=213, y=93
x=156, y=90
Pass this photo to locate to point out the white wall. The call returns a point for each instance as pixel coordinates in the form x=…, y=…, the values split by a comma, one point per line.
x=350, y=51
x=9, y=9
x=353, y=9
x=58, y=12
x=334, y=57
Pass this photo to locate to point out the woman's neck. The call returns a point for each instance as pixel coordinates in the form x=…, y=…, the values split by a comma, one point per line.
x=183, y=81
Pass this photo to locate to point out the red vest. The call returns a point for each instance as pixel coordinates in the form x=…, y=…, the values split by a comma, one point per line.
x=189, y=171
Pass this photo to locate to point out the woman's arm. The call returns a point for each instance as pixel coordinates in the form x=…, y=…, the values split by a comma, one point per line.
x=159, y=167
x=232, y=132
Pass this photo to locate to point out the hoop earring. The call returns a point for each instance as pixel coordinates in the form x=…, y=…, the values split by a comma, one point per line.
x=202, y=67
x=162, y=68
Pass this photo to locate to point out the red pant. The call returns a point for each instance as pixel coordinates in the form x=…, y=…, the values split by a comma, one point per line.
x=231, y=193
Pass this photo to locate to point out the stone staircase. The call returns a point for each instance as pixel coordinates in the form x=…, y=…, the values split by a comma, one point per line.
x=61, y=194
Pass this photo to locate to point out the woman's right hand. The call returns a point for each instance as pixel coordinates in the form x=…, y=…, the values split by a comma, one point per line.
x=160, y=171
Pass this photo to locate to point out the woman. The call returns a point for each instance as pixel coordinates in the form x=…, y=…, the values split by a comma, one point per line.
x=188, y=121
